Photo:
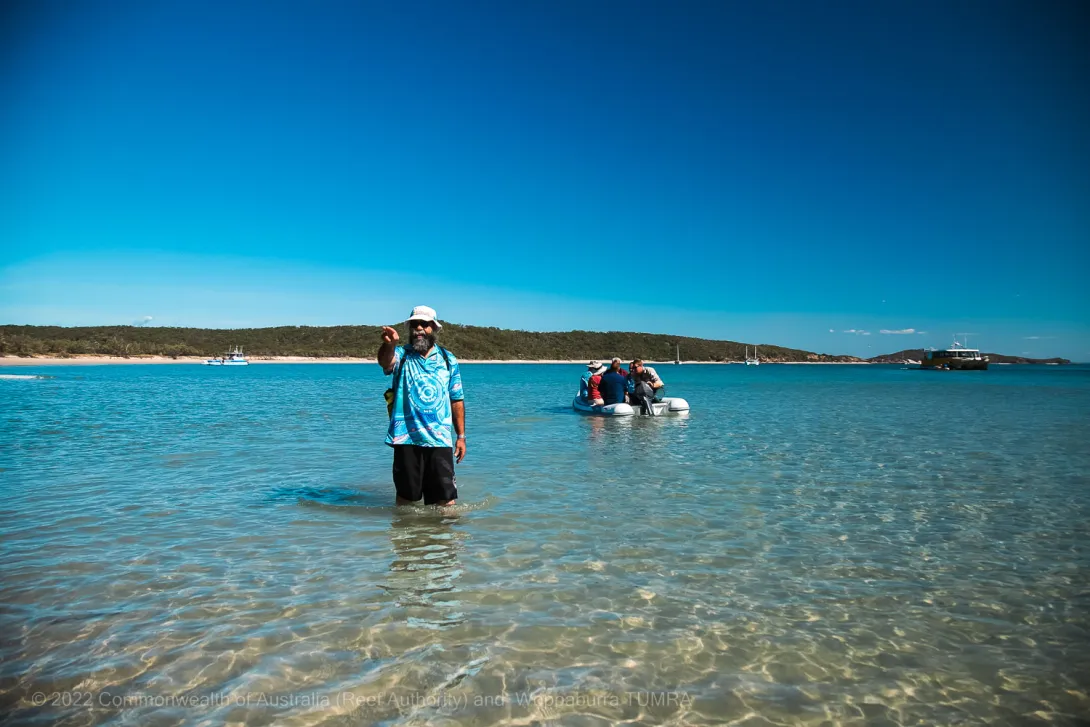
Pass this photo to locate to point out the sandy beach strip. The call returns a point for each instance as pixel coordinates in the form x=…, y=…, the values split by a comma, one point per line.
x=90, y=360
x=102, y=360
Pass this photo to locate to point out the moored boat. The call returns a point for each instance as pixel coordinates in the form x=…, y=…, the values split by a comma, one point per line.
x=955, y=358
x=231, y=358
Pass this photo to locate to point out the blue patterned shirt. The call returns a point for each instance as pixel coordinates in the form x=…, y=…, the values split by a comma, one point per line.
x=422, y=413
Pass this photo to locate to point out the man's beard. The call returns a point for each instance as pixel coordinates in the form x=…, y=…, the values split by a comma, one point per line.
x=422, y=342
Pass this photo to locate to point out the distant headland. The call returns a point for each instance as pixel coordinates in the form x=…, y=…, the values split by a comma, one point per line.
x=470, y=343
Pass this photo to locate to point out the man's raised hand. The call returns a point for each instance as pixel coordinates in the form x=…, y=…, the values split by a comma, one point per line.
x=389, y=335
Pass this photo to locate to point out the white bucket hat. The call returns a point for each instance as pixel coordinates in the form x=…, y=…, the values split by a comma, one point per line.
x=596, y=368
x=424, y=313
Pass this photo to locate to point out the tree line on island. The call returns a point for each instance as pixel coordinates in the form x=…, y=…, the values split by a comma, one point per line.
x=468, y=342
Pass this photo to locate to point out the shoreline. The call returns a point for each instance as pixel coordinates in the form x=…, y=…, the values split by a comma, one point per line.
x=95, y=360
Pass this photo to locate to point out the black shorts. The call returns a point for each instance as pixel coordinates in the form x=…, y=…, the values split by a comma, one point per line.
x=424, y=471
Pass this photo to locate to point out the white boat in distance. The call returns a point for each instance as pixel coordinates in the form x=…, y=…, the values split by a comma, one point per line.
x=956, y=358
x=752, y=361
x=232, y=358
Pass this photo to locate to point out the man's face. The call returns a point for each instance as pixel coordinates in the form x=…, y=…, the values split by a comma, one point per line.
x=421, y=336
x=637, y=368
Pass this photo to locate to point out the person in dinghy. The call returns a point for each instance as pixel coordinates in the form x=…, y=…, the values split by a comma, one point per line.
x=647, y=386
x=589, y=383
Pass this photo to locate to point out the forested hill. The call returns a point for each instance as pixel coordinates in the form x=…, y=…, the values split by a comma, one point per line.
x=467, y=342
x=916, y=354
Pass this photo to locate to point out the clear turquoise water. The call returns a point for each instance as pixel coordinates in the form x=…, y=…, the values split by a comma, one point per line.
x=812, y=545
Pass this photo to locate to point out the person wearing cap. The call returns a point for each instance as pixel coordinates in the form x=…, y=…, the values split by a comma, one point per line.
x=613, y=383
x=427, y=419
x=588, y=389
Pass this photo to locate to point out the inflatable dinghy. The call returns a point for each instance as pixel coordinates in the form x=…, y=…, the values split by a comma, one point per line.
x=669, y=405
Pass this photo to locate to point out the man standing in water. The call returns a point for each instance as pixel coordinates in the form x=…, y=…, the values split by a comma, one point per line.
x=427, y=403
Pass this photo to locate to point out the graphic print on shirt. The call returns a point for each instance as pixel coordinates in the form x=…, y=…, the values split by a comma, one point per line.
x=425, y=394
x=422, y=405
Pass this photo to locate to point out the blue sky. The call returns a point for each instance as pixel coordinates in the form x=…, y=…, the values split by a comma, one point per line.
x=763, y=172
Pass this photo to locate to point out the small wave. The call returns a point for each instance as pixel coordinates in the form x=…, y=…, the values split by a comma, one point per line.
x=24, y=376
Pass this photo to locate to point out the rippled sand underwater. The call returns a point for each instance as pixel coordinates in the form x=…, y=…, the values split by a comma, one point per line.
x=811, y=546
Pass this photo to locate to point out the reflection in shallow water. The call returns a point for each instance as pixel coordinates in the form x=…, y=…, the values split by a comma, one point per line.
x=425, y=569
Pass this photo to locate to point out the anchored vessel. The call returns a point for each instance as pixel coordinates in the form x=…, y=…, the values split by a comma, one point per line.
x=232, y=358
x=955, y=358
x=752, y=361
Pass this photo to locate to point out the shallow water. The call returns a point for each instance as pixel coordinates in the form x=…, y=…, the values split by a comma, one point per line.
x=812, y=545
